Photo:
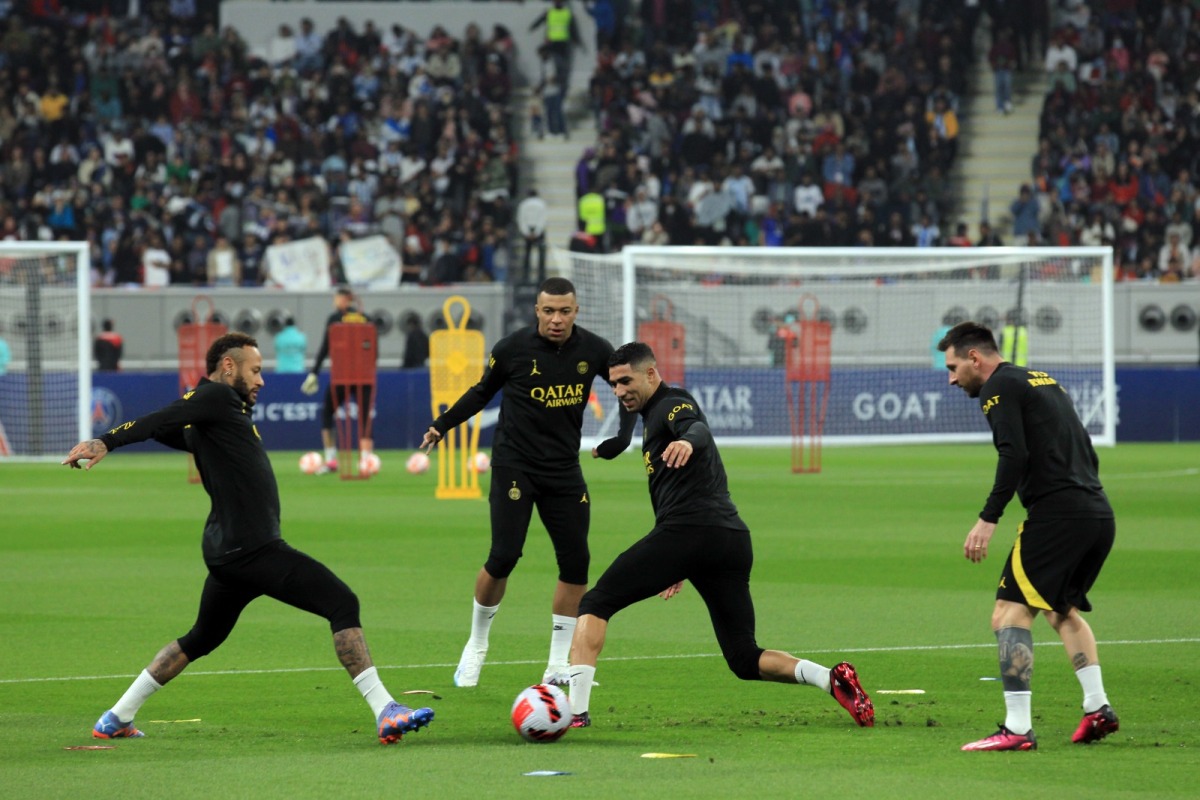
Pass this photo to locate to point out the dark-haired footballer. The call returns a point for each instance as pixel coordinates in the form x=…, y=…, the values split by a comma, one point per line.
x=546, y=372
x=1046, y=458
x=698, y=536
x=243, y=549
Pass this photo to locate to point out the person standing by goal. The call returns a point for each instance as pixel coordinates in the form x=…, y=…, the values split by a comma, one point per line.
x=245, y=554
x=1046, y=458
x=698, y=536
x=343, y=311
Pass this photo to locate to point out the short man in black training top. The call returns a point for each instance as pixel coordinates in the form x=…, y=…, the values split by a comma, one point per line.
x=245, y=554
x=343, y=311
x=546, y=372
x=1046, y=458
x=698, y=536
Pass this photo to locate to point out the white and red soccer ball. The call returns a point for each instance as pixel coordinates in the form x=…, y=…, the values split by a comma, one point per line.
x=417, y=463
x=369, y=464
x=481, y=463
x=541, y=713
x=310, y=463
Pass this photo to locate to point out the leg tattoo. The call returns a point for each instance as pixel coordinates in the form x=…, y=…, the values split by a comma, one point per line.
x=352, y=650
x=1079, y=661
x=169, y=662
x=1016, y=658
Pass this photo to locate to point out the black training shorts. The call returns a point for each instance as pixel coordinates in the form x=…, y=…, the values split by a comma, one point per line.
x=1054, y=563
x=562, y=503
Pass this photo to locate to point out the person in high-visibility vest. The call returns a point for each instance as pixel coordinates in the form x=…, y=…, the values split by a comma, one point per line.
x=561, y=33
x=592, y=215
x=1014, y=342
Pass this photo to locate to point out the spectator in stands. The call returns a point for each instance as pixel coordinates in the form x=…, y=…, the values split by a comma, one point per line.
x=925, y=232
x=550, y=90
x=107, y=348
x=531, y=222
x=1024, y=211
x=1173, y=252
x=223, y=265
x=1059, y=52
x=987, y=236
x=808, y=197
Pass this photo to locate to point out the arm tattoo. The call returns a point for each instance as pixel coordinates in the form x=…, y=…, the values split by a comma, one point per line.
x=1016, y=658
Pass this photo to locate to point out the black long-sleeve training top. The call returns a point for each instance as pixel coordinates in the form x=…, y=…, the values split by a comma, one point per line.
x=1046, y=455
x=213, y=422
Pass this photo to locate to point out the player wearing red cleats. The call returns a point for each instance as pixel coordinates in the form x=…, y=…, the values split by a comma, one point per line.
x=845, y=688
x=581, y=720
x=1096, y=725
x=1004, y=739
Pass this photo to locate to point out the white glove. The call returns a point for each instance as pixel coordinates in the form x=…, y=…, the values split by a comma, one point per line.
x=310, y=384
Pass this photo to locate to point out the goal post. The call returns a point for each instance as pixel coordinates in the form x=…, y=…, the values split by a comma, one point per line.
x=886, y=308
x=45, y=319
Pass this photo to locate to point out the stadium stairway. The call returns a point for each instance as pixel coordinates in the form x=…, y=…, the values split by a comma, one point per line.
x=996, y=149
x=548, y=165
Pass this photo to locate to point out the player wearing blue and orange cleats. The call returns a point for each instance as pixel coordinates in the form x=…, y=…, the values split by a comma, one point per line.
x=109, y=727
x=397, y=720
x=243, y=548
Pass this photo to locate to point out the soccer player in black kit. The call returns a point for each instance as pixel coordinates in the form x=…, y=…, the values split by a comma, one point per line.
x=343, y=311
x=698, y=536
x=243, y=550
x=1046, y=458
x=546, y=371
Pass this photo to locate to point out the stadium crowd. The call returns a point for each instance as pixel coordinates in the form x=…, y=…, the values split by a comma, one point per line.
x=1116, y=163
x=836, y=123
x=800, y=124
x=180, y=154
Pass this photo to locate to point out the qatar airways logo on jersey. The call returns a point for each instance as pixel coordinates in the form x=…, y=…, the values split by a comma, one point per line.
x=727, y=407
x=563, y=394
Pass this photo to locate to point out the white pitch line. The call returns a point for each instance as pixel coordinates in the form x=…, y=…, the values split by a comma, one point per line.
x=286, y=670
x=1135, y=476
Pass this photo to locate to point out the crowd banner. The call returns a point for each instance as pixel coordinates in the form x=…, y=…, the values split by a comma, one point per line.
x=298, y=266
x=370, y=263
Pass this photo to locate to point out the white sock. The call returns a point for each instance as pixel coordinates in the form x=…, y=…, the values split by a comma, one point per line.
x=1020, y=714
x=330, y=453
x=560, y=639
x=1093, y=688
x=138, y=692
x=581, y=687
x=812, y=674
x=373, y=690
x=481, y=624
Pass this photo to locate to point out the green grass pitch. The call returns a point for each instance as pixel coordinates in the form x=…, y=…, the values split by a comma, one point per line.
x=863, y=562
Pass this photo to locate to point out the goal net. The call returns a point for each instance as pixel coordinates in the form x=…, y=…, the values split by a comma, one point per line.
x=45, y=386
x=719, y=320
